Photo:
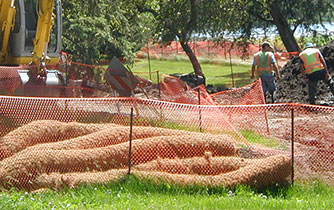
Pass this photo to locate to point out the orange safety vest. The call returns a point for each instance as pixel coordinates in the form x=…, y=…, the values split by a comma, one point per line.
x=263, y=61
x=311, y=60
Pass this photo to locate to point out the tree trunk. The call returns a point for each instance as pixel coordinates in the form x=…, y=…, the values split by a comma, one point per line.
x=283, y=27
x=193, y=59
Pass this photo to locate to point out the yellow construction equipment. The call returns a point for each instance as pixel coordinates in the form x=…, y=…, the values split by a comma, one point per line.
x=30, y=34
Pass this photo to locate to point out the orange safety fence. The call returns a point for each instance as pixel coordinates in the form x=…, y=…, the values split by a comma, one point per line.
x=201, y=48
x=176, y=90
x=81, y=80
x=249, y=94
x=57, y=142
x=210, y=49
x=71, y=80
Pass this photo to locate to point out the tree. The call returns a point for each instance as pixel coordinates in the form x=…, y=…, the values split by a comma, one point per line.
x=180, y=20
x=286, y=15
x=92, y=28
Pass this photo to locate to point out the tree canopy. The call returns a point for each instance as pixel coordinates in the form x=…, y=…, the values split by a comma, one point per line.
x=181, y=20
x=285, y=15
x=94, y=28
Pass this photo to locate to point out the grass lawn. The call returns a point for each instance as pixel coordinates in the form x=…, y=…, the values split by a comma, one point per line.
x=135, y=194
x=216, y=73
x=253, y=137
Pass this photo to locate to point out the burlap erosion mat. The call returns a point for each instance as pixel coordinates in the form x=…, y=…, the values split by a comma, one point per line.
x=88, y=153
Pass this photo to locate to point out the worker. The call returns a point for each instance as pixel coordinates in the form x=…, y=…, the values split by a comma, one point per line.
x=313, y=68
x=277, y=56
x=264, y=63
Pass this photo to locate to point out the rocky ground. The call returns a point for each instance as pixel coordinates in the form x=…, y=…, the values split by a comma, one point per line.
x=292, y=88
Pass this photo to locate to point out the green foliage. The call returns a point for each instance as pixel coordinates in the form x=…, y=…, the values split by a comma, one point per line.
x=286, y=15
x=317, y=39
x=95, y=28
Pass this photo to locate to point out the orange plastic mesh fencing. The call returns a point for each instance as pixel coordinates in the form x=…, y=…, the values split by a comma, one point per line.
x=57, y=142
x=173, y=89
x=71, y=80
x=176, y=90
x=314, y=141
x=247, y=95
x=60, y=142
x=201, y=48
x=22, y=81
x=225, y=50
x=10, y=80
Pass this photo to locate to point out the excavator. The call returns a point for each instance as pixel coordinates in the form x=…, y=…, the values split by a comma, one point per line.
x=30, y=41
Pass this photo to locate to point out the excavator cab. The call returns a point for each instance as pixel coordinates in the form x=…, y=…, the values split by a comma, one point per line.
x=30, y=38
x=23, y=37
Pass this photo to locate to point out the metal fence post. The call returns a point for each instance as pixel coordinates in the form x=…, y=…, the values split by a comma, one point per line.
x=130, y=143
x=158, y=82
x=208, y=48
x=149, y=60
x=229, y=52
x=177, y=47
x=292, y=143
x=199, y=109
x=162, y=50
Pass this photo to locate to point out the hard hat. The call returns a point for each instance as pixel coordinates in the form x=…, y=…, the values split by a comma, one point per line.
x=267, y=43
x=309, y=45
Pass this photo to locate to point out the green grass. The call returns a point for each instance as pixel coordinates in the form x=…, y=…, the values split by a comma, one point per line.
x=253, y=137
x=135, y=194
x=216, y=73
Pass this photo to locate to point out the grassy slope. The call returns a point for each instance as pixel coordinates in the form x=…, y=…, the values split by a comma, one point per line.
x=218, y=73
x=133, y=194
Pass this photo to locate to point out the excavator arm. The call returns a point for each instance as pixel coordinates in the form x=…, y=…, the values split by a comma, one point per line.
x=45, y=23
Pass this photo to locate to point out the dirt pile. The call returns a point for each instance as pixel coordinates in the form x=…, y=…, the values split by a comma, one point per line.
x=292, y=88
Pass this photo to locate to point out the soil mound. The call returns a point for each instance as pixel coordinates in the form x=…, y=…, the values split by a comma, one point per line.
x=292, y=88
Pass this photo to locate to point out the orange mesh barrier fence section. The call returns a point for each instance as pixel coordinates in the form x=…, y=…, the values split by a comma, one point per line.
x=201, y=48
x=58, y=142
x=10, y=79
x=73, y=80
x=314, y=139
x=174, y=89
x=60, y=81
x=247, y=95
x=212, y=49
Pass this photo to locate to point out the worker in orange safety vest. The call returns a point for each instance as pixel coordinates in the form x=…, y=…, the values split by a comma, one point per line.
x=313, y=68
x=264, y=63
